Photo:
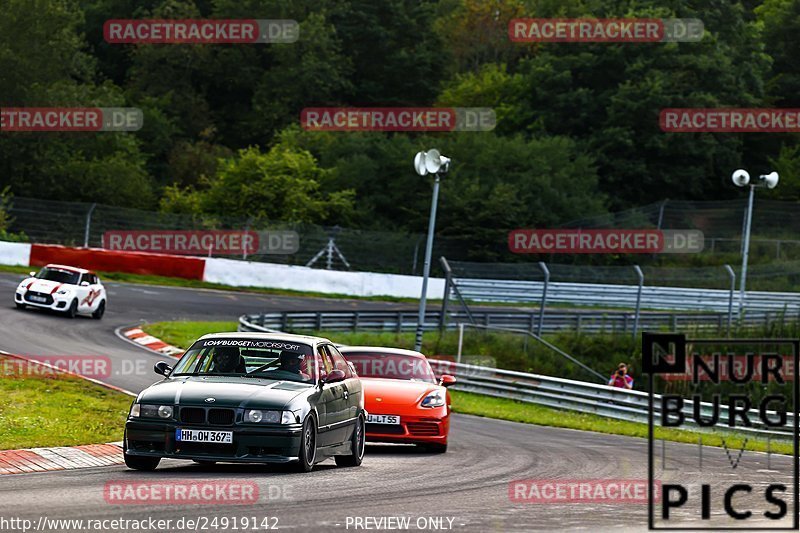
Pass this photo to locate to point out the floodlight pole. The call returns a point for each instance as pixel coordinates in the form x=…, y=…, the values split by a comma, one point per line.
x=746, y=248
x=427, y=266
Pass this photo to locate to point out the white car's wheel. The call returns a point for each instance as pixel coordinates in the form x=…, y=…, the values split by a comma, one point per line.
x=100, y=311
x=72, y=312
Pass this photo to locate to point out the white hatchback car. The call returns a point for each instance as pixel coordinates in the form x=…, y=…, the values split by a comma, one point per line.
x=65, y=289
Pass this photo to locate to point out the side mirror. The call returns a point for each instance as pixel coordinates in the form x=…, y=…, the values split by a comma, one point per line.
x=334, y=376
x=32, y=274
x=162, y=368
x=84, y=283
x=447, y=380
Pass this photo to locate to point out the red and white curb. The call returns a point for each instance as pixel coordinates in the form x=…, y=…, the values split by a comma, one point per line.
x=151, y=343
x=60, y=458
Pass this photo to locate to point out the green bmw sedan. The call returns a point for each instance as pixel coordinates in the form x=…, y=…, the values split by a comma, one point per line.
x=250, y=398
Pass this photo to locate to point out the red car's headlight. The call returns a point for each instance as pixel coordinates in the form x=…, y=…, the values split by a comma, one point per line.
x=434, y=399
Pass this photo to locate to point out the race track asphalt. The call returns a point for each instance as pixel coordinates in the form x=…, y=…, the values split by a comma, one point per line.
x=469, y=484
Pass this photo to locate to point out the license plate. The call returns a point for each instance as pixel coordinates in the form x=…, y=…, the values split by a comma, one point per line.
x=383, y=419
x=40, y=299
x=201, y=435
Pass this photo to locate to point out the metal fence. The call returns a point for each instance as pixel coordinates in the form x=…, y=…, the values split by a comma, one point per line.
x=582, y=397
x=775, y=227
x=556, y=320
x=83, y=224
x=512, y=283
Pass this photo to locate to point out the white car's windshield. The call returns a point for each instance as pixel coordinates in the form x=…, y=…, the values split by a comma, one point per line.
x=271, y=359
x=59, y=275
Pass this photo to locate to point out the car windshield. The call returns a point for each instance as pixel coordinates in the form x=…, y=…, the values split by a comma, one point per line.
x=390, y=366
x=58, y=275
x=261, y=358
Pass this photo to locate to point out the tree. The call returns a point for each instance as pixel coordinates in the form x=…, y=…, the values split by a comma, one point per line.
x=280, y=185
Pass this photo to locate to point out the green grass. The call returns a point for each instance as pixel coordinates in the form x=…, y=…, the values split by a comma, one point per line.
x=516, y=411
x=182, y=334
x=57, y=410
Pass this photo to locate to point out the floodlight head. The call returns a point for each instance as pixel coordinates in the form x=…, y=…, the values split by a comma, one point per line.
x=419, y=164
x=770, y=180
x=740, y=178
x=436, y=162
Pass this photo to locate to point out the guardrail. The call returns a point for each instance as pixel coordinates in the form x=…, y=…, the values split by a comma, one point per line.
x=596, y=294
x=555, y=320
x=571, y=395
x=587, y=398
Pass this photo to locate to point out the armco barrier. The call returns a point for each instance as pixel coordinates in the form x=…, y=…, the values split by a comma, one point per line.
x=556, y=320
x=111, y=261
x=582, y=397
x=567, y=394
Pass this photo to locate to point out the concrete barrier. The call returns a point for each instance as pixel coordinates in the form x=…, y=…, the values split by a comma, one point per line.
x=299, y=278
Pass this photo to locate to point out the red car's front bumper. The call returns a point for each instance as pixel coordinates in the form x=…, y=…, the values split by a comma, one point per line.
x=412, y=430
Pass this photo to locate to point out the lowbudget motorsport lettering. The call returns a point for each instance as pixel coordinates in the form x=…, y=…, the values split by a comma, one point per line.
x=254, y=344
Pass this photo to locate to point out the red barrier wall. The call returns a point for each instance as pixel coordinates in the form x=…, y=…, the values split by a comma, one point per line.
x=115, y=261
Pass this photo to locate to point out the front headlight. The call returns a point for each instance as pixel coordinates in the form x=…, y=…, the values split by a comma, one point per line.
x=151, y=411
x=256, y=416
x=62, y=291
x=434, y=399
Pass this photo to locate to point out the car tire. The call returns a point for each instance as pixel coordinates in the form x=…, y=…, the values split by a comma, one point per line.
x=19, y=305
x=101, y=309
x=72, y=312
x=435, y=448
x=308, y=445
x=136, y=462
x=356, y=446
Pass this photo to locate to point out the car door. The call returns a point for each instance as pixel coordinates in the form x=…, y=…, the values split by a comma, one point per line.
x=327, y=399
x=84, y=293
x=347, y=396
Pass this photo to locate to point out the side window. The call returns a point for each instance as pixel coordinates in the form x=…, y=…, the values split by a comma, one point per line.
x=93, y=279
x=323, y=362
x=339, y=362
x=84, y=277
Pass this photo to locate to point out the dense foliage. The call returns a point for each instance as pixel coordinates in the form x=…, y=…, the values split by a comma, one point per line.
x=577, y=130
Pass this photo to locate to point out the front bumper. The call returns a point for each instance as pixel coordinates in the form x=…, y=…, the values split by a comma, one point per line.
x=411, y=430
x=251, y=444
x=52, y=301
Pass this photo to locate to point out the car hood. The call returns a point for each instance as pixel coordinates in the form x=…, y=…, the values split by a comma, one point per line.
x=380, y=392
x=227, y=391
x=43, y=285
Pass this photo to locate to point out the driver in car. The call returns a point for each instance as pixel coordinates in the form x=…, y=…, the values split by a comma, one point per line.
x=291, y=362
x=227, y=360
